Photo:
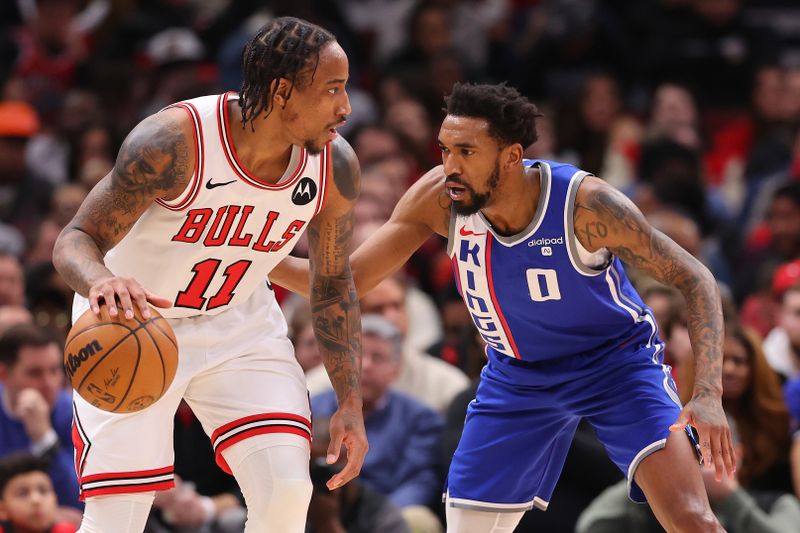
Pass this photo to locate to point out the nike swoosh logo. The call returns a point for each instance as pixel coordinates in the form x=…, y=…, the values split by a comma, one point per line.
x=210, y=185
x=466, y=233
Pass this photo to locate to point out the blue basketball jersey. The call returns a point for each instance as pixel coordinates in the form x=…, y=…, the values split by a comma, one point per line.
x=531, y=296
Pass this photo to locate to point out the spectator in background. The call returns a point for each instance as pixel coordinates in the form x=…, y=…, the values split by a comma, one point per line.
x=353, y=508
x=425, y=378
x=27, y=499
x=792, y=396
x=752, y=397
x=782, y=345
x=36, y=411
x=404, y=434
x=12, y=280
x=23, y=197
x=301, y=333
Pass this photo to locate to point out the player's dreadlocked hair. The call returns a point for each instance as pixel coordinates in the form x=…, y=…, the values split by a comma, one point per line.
x=511, y=117
x=288, y=48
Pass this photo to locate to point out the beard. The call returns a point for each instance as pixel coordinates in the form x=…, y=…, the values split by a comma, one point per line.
x=477, y=201
x=313, y=147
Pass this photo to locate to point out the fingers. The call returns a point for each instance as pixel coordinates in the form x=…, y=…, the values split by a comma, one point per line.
x=717, y=449
x=682, y=421
x=337, y=436
x=123, y=294
x=356, y=445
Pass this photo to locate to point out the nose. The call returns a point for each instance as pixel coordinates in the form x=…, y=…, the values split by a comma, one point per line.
x=450, y=164
x=344, y=108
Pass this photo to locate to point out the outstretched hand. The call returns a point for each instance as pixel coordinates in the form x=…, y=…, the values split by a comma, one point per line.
x=347, y=427
x=124, y=292
x=706, y=415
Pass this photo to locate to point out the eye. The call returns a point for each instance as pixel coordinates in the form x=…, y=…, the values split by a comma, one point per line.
x=466, y=152
x=443, y=149
x=334, y=90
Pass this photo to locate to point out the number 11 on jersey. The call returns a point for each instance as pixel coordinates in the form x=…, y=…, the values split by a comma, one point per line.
x=204, y=272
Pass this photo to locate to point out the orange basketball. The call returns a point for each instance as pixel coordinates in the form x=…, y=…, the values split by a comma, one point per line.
x=121, y=365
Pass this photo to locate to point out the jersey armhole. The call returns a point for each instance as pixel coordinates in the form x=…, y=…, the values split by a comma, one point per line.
x=192, y=189
x=575, y=249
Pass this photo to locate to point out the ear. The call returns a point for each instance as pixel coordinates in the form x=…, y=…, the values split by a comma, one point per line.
x=281, y=87
x=513, y=155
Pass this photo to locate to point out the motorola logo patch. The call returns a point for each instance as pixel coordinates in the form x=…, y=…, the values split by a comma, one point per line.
x=304, y=192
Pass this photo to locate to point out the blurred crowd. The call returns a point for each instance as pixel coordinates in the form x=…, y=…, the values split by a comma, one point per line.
x=691, y=107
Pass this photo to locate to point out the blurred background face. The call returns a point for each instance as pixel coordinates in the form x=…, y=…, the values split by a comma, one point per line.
x=379, y=368
x=600, y=103
x=783, y=220
x=673, y=106
x=306, y=350
x=790, y=317
x=387, y=299
x=39, y=368
x=29, y=502
x=735, y=369
x=12, y=282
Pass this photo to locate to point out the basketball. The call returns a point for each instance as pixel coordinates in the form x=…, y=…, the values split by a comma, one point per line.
x=121, y=365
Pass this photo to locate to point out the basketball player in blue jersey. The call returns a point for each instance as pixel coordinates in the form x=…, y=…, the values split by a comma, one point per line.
x=205, y=198
x=536, y=248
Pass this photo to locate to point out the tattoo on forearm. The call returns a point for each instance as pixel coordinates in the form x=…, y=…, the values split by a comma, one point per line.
x=610, y=216
x=334, y=304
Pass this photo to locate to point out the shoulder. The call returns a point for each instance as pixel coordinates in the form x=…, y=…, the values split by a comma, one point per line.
x=170, y=124
x=345, y=167
x=411, y=410
x=594, y=192
x=426, y=201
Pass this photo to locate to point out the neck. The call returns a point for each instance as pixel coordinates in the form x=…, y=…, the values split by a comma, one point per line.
x=514, y=201
x=260, y=145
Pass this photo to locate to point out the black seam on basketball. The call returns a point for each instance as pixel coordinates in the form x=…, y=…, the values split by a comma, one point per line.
x=135, y=368
x=167, y=334
x=223, y=441
x=95, y=326
x=89, y=372
x=160, y=358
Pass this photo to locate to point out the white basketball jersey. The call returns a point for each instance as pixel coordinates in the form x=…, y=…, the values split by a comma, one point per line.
x=211, y=247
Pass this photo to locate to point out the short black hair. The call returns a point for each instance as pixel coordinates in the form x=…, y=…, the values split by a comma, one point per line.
x=287, y=47
x=21, y=335
x=19, y=464
x=511, y=116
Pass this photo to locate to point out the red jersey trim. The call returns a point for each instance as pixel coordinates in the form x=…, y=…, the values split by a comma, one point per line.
x=261, y=424
x=193, y=189
x=127, y=482
x=507, y=331
x=236, y=165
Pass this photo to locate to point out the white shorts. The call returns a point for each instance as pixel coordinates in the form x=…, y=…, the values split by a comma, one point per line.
x=237, y=372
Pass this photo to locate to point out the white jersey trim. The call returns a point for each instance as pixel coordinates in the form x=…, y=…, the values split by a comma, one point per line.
x=239, y=169
x=192, y=189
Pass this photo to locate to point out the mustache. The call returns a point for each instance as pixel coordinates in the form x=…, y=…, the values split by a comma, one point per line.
x=456, y=179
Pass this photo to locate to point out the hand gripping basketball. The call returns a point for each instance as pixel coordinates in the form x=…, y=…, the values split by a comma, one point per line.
x=118, y=364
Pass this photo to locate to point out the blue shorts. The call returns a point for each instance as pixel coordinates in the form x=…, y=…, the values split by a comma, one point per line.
x=520, y=426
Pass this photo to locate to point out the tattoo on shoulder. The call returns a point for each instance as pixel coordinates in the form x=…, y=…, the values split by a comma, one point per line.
x=346, y=171
x=152, y=160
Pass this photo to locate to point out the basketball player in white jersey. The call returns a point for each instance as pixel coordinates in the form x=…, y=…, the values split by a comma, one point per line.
x=206, y=197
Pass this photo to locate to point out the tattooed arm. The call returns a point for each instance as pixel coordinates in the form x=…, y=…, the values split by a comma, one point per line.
x=605, y=218
x=153, y=162
x=334, y=309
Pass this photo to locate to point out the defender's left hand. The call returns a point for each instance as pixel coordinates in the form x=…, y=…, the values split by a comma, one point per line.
x=706, y=415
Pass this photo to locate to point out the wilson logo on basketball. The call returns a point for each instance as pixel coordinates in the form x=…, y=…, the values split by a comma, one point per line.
x=74, y=362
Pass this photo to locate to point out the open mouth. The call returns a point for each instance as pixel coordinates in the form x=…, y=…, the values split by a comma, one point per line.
x=455, y=190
